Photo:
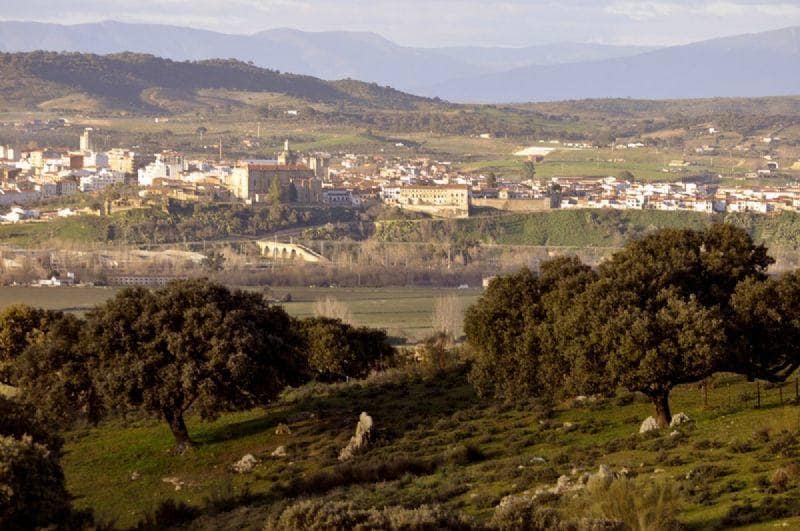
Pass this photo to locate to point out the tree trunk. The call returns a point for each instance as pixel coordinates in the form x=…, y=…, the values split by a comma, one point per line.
x=179, y=431
x=663, y=414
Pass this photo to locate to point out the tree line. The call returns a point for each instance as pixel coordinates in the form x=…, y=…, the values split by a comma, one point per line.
x=193, y=345
x=671, y=308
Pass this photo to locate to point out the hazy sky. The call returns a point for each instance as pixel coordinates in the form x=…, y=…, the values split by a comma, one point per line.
x=442, y=22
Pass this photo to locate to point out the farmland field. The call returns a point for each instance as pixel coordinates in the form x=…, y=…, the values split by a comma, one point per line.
x=403, y=312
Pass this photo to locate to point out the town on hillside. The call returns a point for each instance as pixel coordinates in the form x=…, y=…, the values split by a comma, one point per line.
x=417, y=184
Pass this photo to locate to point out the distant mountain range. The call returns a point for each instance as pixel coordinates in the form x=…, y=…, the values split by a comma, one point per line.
x=327, y=55
x=762, y=64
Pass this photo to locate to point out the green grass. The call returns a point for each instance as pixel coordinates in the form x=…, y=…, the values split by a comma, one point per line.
x=422, y=418
x=403, y=312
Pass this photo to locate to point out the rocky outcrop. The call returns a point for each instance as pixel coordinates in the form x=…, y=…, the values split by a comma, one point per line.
x=246, y=464
x=360, y=440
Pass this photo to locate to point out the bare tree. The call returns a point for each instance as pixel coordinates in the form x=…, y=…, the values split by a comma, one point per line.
x=448, y=314
x=334, y=309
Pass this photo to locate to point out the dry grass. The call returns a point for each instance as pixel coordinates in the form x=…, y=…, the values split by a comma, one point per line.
x=334, y=309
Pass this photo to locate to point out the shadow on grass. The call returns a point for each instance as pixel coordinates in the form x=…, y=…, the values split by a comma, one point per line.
x=397, y=406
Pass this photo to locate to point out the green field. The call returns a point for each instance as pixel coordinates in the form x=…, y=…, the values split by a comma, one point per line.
x=403, y=312
x=726, y=458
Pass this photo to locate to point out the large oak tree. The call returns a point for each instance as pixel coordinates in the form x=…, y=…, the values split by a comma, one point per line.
x=192, y=345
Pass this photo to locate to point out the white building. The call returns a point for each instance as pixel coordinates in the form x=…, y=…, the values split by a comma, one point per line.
x=100, y=180
x=160, y=169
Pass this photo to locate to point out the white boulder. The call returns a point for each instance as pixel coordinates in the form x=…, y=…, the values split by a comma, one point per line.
x=649, y=424
x=360, y=440
x=246, y=464
x=679, y=419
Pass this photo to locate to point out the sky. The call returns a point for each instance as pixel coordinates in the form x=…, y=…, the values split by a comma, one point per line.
x=442, y=22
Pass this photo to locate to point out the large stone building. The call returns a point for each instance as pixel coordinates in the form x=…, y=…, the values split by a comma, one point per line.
x=252, y=182
x=445, y=201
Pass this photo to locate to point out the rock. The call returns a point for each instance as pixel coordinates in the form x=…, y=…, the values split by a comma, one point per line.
x=602, y=478
x=246, y=464
x=135, y=475
x=680, y=418
x=570, y=426
x=649, y=424
x=360, y=440
x=175, y=482
x=539, y=460
x=283, y=429
x=674, y=433
x=280, y=451
x=564, y=484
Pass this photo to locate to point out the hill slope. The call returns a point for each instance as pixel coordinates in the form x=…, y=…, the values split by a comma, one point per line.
x=763, y=64
x=328, y=55
x=147, y=83
x=437, y=442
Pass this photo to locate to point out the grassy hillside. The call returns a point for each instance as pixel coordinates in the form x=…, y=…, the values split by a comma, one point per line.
x=438, y=443
x=586, y=228
x=569, y=228
x=146, y=83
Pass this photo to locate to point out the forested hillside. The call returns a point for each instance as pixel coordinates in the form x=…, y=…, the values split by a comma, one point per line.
x=121, y=81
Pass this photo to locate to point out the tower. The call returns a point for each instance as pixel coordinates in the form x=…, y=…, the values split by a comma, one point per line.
x=287, y=157
x=87, y=140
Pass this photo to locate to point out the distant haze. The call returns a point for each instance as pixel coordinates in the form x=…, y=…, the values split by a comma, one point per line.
x=761, y=64
x=436, y=23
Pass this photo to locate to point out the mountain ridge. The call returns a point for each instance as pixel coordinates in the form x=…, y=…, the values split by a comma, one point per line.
x=748, y=65
x=328, y=55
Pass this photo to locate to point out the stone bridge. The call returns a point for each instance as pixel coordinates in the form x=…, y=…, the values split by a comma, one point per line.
x=289, y=251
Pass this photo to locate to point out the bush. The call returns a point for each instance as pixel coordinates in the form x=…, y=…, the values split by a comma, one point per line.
x=524, y=513
x=780, y=480
x=771, y=508
x=645, y=505
x=21, y=419
x=32, y=488
x=375, y=470
x=336, y=350
x=319, y=514
x=784, y=445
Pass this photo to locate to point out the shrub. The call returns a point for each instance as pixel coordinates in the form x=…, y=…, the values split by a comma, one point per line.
x=464, y=454
x=374, y=470
x=336, y=350
x=780, y=480
x=21, y=419
x=524, y=513
x=784, y=444
x=319, y=514
x=771, y=508
x=32, y=488
x=169, y=513
x=333, y=309
x=644, y=505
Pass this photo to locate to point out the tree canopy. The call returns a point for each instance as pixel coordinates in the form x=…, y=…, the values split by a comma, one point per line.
x=672, y=307
x=336, y=350
x=193, y=344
